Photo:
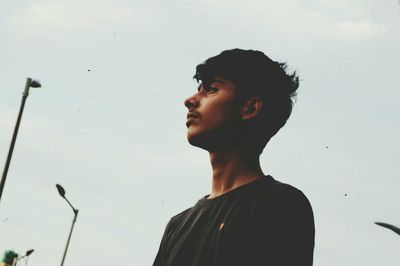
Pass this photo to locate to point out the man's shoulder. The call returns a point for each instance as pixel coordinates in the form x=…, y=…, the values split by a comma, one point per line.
x=177, y=219
x=287, y=190
x=279, y=190
x=282, y=196
x=180, y=216
x=285, y=216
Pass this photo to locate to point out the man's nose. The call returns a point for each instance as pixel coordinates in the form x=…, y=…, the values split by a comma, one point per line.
x=192, y=102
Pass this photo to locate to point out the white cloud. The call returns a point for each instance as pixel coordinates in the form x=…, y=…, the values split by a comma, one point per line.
x=62, y=17
x=358, y=30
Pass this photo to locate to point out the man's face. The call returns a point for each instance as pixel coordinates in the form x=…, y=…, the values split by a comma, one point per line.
x=213, y=116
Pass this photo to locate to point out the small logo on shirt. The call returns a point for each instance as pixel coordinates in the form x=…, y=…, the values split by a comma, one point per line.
x=221, y=226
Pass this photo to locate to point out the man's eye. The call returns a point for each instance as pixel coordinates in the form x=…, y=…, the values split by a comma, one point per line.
x=211, y=89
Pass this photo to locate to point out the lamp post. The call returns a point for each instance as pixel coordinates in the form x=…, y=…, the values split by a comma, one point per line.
x=16, y=259
x=29, y=83
x=61, y=191
x=389, y=226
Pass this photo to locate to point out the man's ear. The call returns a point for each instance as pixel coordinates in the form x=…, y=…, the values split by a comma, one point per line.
x=251, y=108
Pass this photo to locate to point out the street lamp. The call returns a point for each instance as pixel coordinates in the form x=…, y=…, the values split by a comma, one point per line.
x=29, y=83
x=16, y=259
x=61, y=191
x=389, y=226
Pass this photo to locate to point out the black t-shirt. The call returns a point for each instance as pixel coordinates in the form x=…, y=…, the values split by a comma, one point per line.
x=264, y=222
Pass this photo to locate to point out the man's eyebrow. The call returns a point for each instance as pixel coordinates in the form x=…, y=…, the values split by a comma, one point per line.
x=218, y=80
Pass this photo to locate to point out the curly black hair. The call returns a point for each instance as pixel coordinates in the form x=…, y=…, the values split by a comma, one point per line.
x=255, y=74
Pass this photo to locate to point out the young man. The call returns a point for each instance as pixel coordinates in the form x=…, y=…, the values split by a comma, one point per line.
x=249, y=218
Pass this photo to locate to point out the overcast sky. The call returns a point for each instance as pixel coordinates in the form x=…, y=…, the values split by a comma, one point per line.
x=109, y=122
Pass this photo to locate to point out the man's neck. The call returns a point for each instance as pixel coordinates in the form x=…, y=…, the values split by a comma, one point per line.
x=232, y=169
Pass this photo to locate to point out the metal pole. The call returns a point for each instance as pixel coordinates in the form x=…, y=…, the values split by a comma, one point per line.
x=10, y=152
x=69, y=237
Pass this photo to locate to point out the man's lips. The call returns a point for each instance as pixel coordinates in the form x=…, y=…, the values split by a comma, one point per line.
x=191, y=116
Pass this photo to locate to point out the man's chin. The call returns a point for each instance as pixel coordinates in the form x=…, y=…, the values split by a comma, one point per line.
x=194, y=140
x=199, y=140
x=208, y=141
